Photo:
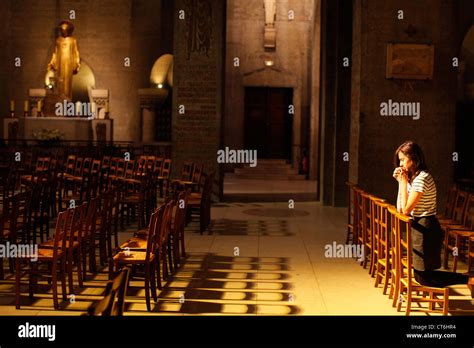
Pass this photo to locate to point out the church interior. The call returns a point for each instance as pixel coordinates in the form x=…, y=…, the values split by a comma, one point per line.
x=233, y=158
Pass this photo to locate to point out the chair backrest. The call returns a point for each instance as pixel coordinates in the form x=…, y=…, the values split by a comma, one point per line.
x=86, y=166
x=381, y=241
x=9, y=216
x=468, y=220
x=78, y=166
x=180, y=213
x=460, y=206
x=166, y=170
x=158, y=166
x=393, y=237
x=187, y=171
x=197, y=173
x=405, y=260
x=90, y=222
x=70, y=164
x=79, y=221
x=165, y=223
x=113, y=303
x=129, y=168
x=95, y=166
x=119, y=286
x=62, y=231
x=450, y=201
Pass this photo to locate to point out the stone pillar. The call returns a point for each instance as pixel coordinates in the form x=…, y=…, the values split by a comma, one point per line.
x=198, y=87
x=148, y=125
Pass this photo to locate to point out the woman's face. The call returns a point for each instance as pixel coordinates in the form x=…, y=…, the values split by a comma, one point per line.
x=405, y=162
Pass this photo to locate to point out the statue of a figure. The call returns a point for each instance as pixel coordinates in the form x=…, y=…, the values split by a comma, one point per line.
x=270, y=12
x=65, y=60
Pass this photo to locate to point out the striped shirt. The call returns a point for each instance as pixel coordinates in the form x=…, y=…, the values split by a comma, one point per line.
x=427, y=204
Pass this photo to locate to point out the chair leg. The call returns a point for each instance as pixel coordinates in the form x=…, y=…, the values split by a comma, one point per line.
x=17, y=282
x=153, y=282
x=457, y=244
x=70, y=260
x=446, y=250
x=63, y=278
x=158, y=272
x=2, y=275
x=55, y=285
x=79, y=266
x=147, y=288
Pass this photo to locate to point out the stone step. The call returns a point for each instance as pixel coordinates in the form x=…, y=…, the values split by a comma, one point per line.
x=272, y=161
x=265, y=170
x=267, y=176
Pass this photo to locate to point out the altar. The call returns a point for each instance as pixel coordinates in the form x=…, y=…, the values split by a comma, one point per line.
x=75, y=129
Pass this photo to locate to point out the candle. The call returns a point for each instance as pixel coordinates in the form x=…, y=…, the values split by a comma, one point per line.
x=106, y=106
x=93, y=110
x=39, y=105
x=12, y=105
x=27, y=106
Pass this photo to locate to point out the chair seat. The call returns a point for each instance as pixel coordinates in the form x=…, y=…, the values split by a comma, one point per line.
x=133, y=257
x=50, y=244
x=462, y=233
x=47, y=254
x=135, y=243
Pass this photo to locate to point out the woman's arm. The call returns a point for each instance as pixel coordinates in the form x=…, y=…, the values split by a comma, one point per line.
x=412, y=201
x=408, y=202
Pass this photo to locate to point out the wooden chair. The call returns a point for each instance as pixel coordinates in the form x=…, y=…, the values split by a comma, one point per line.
x=199, y=204
x=54, y=258
x=410, y=290
x=459, y=235
x=377, y=222
x=458, y=211
x=450, y=202
x=470, y=252
x=382, y=247
x=140, y=257
x=177, y=227
x=394, y=255
x=8, y=226
x=365, y=226
x=113, y=303
x=351, y=205
x=163, y=177
x=74, y=244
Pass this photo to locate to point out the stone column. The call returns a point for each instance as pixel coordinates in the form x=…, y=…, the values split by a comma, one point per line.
x=198, y=88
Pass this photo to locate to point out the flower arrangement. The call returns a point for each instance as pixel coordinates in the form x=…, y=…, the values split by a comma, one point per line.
x=43, y=134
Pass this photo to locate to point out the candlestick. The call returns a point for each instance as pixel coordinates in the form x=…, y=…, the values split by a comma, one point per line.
x=27, y=107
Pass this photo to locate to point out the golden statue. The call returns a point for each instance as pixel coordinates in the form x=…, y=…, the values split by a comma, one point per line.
x=65, y=61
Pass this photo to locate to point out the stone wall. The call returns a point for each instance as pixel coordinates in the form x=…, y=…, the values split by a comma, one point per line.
x=107, y=32
x=245, y=41
x=374, y=138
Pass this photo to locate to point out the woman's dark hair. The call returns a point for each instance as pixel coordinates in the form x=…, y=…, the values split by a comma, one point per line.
x=413, y=151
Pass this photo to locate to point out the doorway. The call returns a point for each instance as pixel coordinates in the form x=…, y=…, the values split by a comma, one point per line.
x=268, y=123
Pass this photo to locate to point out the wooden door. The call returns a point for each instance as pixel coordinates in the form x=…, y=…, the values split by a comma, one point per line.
x=268, y=124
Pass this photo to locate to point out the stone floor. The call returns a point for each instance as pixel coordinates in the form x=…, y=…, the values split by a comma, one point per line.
x=256, y=259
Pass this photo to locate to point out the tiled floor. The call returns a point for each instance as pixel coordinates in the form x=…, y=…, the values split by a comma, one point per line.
x=256, y=259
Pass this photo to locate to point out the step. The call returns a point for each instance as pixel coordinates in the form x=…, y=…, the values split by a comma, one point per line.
x=268, y=176
x=257, y=170
x=272, y=161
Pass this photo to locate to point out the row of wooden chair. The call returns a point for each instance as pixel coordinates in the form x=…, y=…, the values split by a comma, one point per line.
x=58, y=256
x=457, y=223
x=385, y=235
x=156, y=248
